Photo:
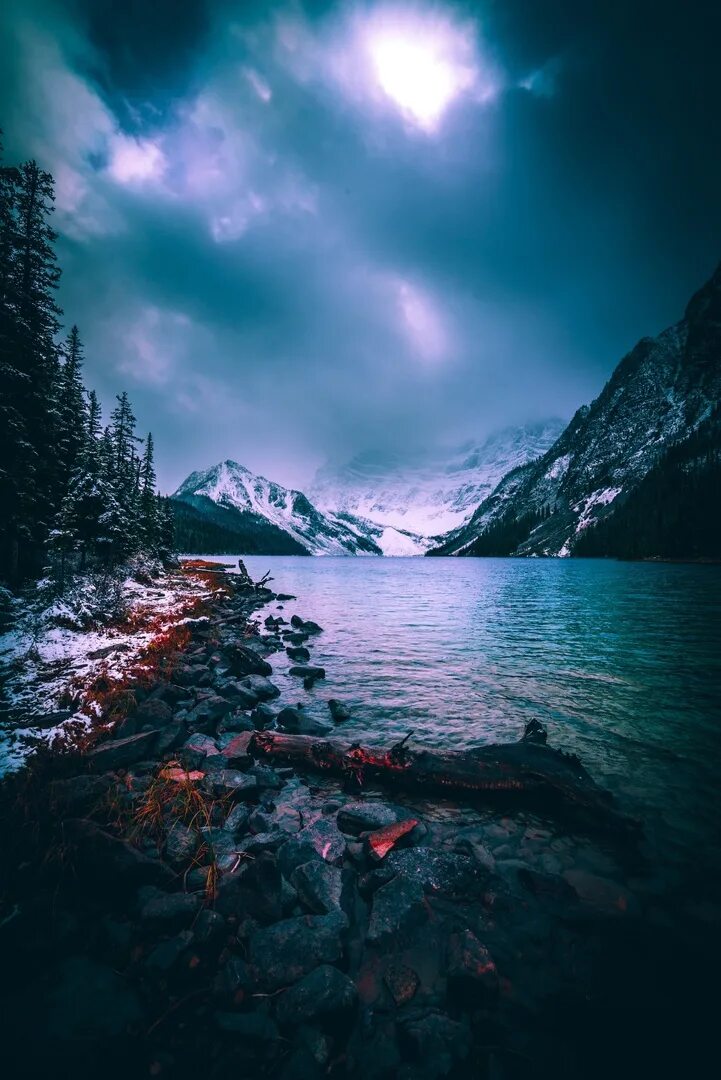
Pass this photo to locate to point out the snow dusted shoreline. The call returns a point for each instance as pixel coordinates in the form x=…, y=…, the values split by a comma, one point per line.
x=58, y=651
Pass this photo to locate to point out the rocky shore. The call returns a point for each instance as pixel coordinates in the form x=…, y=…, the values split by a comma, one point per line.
x=177, y=903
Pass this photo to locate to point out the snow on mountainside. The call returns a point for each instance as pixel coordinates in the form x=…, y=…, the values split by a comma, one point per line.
x=659, y=393
x=432, y=493
x=264, y=503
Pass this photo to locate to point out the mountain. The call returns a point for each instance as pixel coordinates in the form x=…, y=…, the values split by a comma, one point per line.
x=659, y=395
x=432, y=493
x=257, y=515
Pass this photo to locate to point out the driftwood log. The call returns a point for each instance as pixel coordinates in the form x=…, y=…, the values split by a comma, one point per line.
x=525, y=773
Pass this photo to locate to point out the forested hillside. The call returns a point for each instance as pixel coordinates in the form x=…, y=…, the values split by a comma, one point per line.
x=73, y=492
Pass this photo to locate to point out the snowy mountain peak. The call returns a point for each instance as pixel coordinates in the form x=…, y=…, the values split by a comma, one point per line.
x=433, y=492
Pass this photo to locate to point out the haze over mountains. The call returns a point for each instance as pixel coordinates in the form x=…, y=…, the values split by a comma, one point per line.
x=540, y=489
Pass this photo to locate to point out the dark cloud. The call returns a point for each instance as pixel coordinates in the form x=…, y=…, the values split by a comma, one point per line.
x=288, y=244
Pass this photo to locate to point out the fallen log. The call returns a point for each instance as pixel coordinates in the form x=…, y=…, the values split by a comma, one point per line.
x=531, y=774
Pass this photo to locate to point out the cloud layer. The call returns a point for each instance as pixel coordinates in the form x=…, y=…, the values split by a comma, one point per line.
x=295, y=231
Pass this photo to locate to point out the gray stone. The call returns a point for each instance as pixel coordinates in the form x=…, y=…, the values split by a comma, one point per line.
x=319, y=886
x=323, y=996
x=398, y=907
x=283, y=953
x=119, y=753
x=263, y=688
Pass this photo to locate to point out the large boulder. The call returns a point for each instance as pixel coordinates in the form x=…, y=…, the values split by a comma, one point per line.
x=119, y=753
x=441, y=872
x=109, y=864
x=366, y=816
x=398, y=907
x=319, y=886
x=263, y=688
x=296, y=722
x=240, y=661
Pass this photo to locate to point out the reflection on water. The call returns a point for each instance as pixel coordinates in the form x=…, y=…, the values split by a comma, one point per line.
x=621, y=661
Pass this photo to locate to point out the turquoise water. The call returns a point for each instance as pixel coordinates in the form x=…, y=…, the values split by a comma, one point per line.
x=622, y=662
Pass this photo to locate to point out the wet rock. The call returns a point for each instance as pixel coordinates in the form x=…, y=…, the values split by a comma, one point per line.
x=471, y=842
x=267, y=778
x=436, y=1042
x=550, y=887
x=293, y=853
x=263, y=688
x=259, y=842
x=319, y=886
x=282, y=954
x=235, y=748
x=296, y=722
x=307, y=671
x=358, y=817
x=186, y=675
x=181, y=843
x=471, y=969
x=607, y=897
x=90, y=1001
x=297, y=638
x=402, y=982
x=231, y=783
x=298, y=653
x=234, y=724
x=398, y=907
x=281, y=596
x=119, y=753
x=339, y=711
x=263, y=716
x=324, y=996
x=242, y=661
x=110, y=864
x=170, y=912
x=241, y=696
x=442, y=872
x=209, y=711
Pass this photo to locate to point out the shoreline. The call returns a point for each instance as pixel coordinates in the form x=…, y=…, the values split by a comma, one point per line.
x=178, y=904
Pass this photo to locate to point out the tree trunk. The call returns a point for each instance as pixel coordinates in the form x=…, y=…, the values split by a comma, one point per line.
x=524, y=773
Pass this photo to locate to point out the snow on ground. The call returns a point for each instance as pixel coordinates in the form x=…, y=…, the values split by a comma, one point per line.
x=101, y=626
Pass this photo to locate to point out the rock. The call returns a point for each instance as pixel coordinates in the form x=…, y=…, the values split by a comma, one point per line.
x=181, y=843
x=402, y=981
x=398, y=907
x=471, y=969
x=202, y=744
x=235, y=746
x=237, y=820
x=549, y=887
x=170, y=738
x=223, y=848
x=441, y=872
x=90, y=1001
x=319, y=886
x=297, y=723
x=263, y=688
x=111, y=864
x=153, y=712
x=605, y=896
x=324, y=996
x=168, y=954
x=253, y=888
x=295, y=638
x=266, y=777
x=298, y=653
x=437, y=1042
x=281, y=596
x=209, y=710
x=470, y=841
x=258, y=842
x=190, y=674
x=79, y=794
x=295, y=620
x=307, y=671
x=293, y=853
x=358, y=817
x=119, y=753
x=338, y=711
x=232, y=783
x=263, y=716
x=241, y=696
x=209, y=928
x=253, y=1027
x=243, y=661
x=170, y=911
x=326, y=838
x=382, y=841
x=282, y=954
x=233, y=976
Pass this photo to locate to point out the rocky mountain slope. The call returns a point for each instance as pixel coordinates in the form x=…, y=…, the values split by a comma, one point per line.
x=274, y=520
x=429, y=494
x=659, y=394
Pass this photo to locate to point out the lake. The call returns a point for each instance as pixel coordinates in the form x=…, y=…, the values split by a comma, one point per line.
x=621, y=661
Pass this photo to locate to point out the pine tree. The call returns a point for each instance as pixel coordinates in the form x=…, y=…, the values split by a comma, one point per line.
x=149, y=518
x=71, y=412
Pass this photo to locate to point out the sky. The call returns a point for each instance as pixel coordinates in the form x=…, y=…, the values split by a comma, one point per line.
x=296, y=231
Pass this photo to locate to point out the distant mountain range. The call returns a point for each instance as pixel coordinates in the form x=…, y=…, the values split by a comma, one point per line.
x=636, y=473
x=372, y=506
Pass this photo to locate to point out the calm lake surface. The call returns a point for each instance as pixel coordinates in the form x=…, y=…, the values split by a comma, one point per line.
x=622, y=662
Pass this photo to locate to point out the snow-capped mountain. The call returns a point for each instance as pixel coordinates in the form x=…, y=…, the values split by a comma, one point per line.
x=281, y=520
x=429, y=494
x=659, y=394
